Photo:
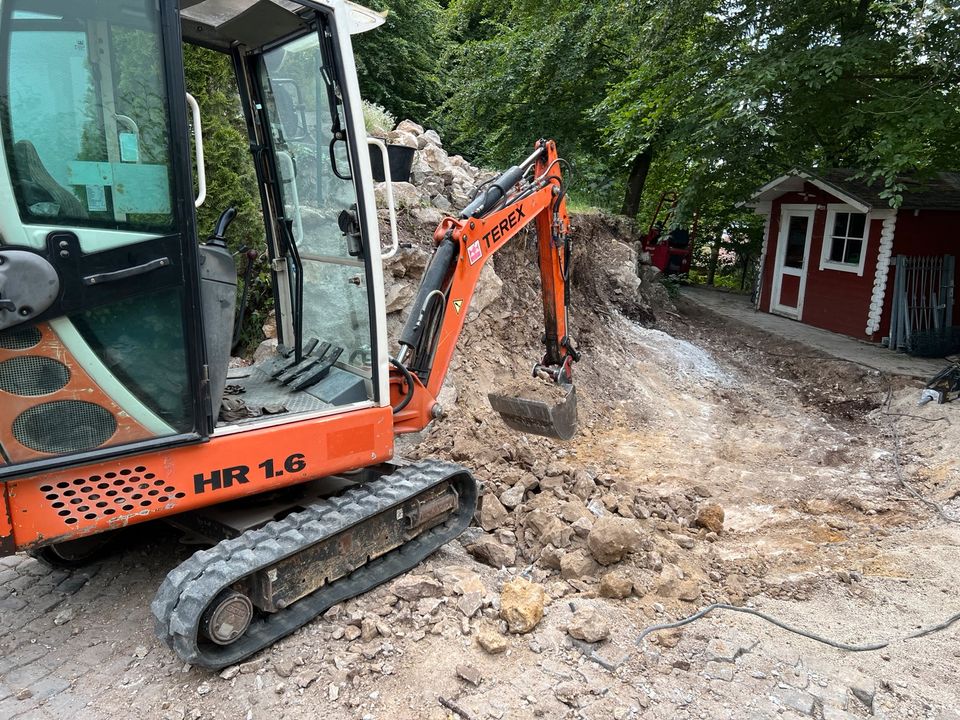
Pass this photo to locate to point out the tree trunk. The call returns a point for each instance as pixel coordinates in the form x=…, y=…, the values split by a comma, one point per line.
x=639, y=169
x=714, y=259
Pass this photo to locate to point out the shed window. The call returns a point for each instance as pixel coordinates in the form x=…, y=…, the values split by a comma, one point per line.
x=845, y=239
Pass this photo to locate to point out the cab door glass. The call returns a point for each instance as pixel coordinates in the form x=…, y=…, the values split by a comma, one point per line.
x=88, y=134
x=317, y=189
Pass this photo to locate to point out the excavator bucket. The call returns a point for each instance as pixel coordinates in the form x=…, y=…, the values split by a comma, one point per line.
x=556, y=420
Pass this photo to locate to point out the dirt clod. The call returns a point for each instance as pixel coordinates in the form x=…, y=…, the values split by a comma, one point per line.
x=491, y=640
x=587, y=625
x=615, y=584
x=711, y=518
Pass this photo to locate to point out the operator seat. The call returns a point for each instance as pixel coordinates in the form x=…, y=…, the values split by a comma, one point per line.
x=32, y=175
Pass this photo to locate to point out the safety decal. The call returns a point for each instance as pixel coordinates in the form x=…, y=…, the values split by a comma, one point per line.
x=457, y=304
x=474, y=252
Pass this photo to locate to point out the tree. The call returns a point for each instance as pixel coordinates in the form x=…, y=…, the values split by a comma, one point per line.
x=231, y=179
x=522, y=70
x=398, y=63
x=752, y=88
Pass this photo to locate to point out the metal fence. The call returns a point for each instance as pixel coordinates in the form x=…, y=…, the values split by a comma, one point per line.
x=923, y=295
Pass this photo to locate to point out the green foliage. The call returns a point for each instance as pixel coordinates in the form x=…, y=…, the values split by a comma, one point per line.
x=377, y=119
x=398, y=63
x=231, y=179
x=672, y=284
x=727, y=93
x=230, y=175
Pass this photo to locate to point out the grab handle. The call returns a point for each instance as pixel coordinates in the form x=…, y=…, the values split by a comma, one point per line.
x=198, y=145
x=374, y=142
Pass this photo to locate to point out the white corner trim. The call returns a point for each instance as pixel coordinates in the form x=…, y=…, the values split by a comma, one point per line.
x=763, y=257
x=825, y=262
x=884, y=254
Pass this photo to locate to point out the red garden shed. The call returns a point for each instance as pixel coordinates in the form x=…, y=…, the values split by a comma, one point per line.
x=838, y=257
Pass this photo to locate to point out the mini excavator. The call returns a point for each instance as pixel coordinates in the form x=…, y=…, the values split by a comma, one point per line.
x=116, y=321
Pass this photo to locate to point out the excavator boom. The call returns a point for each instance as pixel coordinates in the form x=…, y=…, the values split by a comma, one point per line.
x=511, y=203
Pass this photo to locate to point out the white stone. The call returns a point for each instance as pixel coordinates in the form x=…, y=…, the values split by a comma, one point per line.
x=410, y=126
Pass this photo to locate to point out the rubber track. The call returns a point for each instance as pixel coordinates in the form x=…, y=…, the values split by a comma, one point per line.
x=191, y=586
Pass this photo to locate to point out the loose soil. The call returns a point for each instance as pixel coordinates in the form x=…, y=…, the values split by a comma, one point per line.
x=679, y=409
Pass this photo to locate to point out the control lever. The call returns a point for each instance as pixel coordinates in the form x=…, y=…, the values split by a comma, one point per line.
x=220, y=230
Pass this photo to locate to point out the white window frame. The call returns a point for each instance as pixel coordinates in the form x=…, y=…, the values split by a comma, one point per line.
x=825, y=262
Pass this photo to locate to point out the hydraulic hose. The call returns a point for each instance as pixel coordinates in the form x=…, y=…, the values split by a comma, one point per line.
x=408, y=377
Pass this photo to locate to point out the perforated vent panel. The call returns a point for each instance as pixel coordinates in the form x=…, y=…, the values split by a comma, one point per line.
x=100, y=496
x=20, y=338
x=64, y=426
x=32, y=375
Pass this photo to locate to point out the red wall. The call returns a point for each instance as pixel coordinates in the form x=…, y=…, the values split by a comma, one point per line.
x=833, y=299
x=923, y=232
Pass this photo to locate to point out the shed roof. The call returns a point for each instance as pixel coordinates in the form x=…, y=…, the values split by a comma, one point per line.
x=940, y=192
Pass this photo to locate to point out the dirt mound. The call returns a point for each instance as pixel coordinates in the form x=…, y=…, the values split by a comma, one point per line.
x=542, y=505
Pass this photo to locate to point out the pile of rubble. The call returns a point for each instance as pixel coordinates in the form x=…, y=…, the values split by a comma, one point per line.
x=437, y=179
x=575, y=530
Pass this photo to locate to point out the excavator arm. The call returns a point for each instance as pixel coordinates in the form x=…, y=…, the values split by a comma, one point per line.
x=530, y=193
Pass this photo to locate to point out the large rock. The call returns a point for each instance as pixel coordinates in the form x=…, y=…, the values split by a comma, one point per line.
x=711, y=517
x=400, y=137
x=459, y=580
x=488, y=291
x=583, y=485
x=266, y=349
x=429, y=138
x=577, y=564
x=491, y=640
x=613, y=538
x=492, y=513
x=436, y=159
x=551, y=557
x=404, y=195
x=429, y=217
x=521, y=605
x=415, y=587
x=511, y=497
x=489, y=551
x=615, y=584
x=399, y=295
x=270, y=326
x=410, y=126
x=573, y=510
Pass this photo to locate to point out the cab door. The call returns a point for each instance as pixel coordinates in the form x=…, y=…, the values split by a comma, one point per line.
x=96, y=201
x=328, y=277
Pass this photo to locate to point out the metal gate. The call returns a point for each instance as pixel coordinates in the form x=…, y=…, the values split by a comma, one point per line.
x=923, y=295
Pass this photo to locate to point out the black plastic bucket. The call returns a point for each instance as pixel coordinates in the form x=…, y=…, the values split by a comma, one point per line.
x=401, y=160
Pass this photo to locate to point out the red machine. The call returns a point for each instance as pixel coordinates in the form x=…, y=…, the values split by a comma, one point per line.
x=669, y=249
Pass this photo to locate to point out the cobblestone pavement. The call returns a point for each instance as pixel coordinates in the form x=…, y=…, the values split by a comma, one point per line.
x=66, y=636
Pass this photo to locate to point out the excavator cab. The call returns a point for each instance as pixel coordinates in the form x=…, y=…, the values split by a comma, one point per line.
x=116, y=315
x=116, y=310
